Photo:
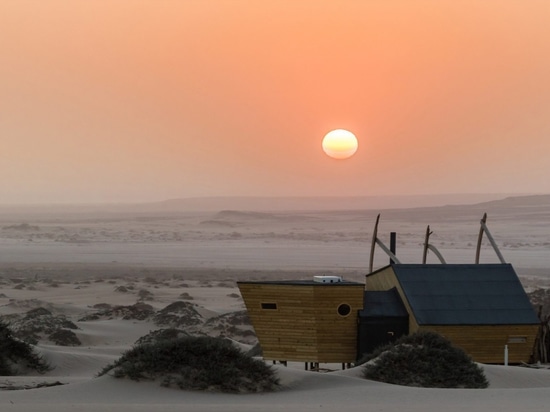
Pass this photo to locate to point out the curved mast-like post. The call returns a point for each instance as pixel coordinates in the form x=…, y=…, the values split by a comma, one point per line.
x=484, y=229
x=480, y=237
x=376, y=241
x=373, y=243
x=430, y=247
x=426, y=243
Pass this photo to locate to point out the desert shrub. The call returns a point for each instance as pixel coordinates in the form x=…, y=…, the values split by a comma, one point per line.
x=185, y=296
x=137, y=311
x=17, y=356
x=64, y=337
x=38, y=323
x=161, y=335
x=179, y=314
x=424, y=359
x=198, y=363
x=144, y=294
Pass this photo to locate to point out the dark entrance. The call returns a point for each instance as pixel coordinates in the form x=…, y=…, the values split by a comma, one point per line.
x=382, y=320
x=375, y=331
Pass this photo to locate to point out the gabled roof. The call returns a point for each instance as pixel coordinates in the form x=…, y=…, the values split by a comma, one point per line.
x=383, y=303
x=465, y=294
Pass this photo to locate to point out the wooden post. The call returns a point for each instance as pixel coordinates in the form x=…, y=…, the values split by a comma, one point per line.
x=480, y=237
x=426, y=243
x=427, y=246
x=485, y=229
x=373, y=244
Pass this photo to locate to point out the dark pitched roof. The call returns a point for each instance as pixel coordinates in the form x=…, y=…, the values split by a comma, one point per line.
x=465, y=294
x=387, y=303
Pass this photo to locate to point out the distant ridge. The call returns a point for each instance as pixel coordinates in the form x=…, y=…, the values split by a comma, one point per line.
x=322, y=203
x=293, y=204
x=515, y=201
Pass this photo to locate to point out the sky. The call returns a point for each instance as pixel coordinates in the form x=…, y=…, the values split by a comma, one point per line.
x=133, y=100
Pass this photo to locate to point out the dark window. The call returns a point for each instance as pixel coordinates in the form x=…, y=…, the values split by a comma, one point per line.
x=269, y=306
x=344, y=309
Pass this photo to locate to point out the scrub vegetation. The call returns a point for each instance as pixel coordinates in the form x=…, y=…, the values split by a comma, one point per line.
x=197, y=363
x=18, y=357
x=424, y=359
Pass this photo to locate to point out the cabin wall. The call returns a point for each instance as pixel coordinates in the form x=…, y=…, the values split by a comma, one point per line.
x=485, y=343
x=337, y=334
x=305, y=326
x=385, y=279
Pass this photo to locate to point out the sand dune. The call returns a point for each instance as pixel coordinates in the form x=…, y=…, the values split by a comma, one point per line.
x=303, y=391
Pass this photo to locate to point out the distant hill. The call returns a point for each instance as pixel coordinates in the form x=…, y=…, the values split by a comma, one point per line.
x=521, y=201
x=462, y=202
x=320, y=203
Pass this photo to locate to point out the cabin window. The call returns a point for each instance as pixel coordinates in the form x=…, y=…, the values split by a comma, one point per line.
x=269, y=306
x=344, y=309
x=517, y=339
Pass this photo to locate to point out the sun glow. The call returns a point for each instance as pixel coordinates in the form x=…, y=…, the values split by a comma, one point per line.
x=340, y=144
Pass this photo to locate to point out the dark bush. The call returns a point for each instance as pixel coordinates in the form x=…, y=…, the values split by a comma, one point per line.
x=424, y=359
x=199, y=363
x=17, y=356
x=161, y=335
x=64, y=337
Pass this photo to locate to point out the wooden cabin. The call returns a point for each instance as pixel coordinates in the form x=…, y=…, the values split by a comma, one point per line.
x=307, y=321
x=480, y=308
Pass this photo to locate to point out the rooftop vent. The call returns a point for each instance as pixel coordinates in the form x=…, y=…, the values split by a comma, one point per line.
x=327, y=279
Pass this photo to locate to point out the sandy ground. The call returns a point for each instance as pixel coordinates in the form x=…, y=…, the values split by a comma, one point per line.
x=78, y=264
x=214, y=292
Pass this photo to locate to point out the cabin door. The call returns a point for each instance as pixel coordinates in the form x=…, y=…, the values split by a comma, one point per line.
x=375, y=332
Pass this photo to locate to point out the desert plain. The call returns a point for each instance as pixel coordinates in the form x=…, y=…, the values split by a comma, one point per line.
x=112, y=274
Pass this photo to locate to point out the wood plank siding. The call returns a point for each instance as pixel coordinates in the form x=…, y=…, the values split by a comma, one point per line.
x=486, y=343
x=300, y=321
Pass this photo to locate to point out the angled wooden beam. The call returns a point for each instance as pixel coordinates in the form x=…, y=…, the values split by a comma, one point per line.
x=426, y=243
x=436, y=252
x=387, y=250
x=480, y=237
x=484, y=229
x=373, y=243
x=428, y=246
x=376, y=241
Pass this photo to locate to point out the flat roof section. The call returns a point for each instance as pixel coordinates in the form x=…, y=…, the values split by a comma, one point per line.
x=300, y=283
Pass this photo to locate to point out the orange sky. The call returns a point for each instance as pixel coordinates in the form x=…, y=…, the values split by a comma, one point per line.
x=131, y=100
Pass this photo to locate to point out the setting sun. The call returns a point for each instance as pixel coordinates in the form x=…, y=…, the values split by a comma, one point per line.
x=340, y=144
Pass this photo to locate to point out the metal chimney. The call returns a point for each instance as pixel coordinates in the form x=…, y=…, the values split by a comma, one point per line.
x=393, y=243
